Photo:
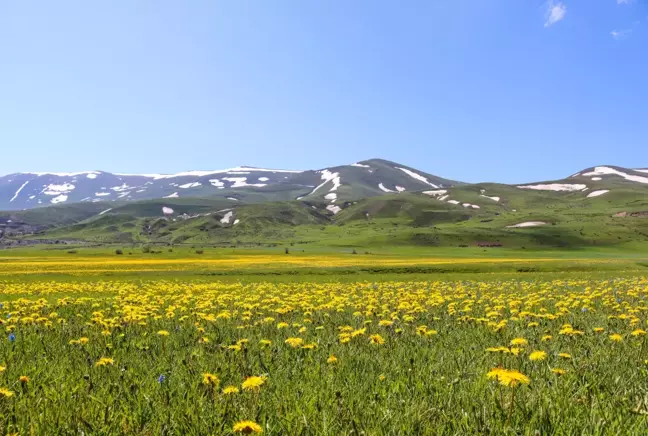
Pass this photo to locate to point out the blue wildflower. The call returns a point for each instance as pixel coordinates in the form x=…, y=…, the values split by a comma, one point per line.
x=12, y=337
x=161, y=378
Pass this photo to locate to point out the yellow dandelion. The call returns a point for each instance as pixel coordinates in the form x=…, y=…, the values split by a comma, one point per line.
x=23, y=379
x=163, y=333
x=598, y=329
x=294, y=342
x=538, y=355
x=559, y=371
x=616, y=337
x=210, y=379
x=376, y=339
x=638, y=332
x=229, y=390
x=247, y=427
x=4, y=392
x=519, y=341
x=332, y=359
x=105, y=361
x=565, y=355
x=546, y=338
x=253, y=383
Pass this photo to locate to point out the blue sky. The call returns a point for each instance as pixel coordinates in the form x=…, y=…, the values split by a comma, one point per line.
x=474, y=90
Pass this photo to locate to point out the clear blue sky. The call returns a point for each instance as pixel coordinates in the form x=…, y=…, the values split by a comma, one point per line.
x=475, y=90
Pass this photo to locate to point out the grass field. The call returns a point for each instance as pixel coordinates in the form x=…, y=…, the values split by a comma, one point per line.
x=409, y=341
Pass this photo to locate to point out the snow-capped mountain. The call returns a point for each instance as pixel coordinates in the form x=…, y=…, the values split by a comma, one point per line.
x=335, y=185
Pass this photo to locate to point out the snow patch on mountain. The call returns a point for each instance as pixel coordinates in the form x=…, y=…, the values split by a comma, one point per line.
x=217, y=183
x=331, y=196
x=227, y=217
x=328, y=176
x=190, y=185
x=60, y=199
x=527, y=224
x=597, y=193
x=105, y=211
x=360, y=165
x=382, y=188
x=82, y=173
x=240, y=182
x=52, y=189
x=555, y=187
x=416, y=176
x=436, y=193
x=333, y=208
x=18, y=191
x=604, y=171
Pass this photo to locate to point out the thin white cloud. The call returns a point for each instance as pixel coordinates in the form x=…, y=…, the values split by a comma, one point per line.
x=624, y=2
x=620, y=34
x=556, y=11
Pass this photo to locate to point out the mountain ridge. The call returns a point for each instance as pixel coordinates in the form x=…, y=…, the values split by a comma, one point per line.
x=26, y=190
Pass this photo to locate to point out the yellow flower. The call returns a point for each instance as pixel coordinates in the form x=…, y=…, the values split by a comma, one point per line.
x=84, y=340
x=4, y=392
x=228, y=390
x=23, y=379
x=598, y=329
x=332, y=359
x=247, y=427
x=638, y=332
x=538, y=355
x=376, y=339
x=282, y=325
x=495, y=373
x=253, y=383
x=546, y=338
x=294, y=342
x=519, y=341
x=204, y=340
x=385, y=323
x=163, y=333
x=381, y=377
x=559, y=371
x=616, y=337
x=210, y=380
x=106, y=332
x=508, y=377
x=565, y=355
x=2, y=368
x=104, y=361
x=515, y=351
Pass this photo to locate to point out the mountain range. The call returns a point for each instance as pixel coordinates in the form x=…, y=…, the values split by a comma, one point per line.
x=368, y=203
x=337, y=184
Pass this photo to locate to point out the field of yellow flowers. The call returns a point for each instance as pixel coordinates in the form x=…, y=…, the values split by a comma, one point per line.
x=519, y=355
